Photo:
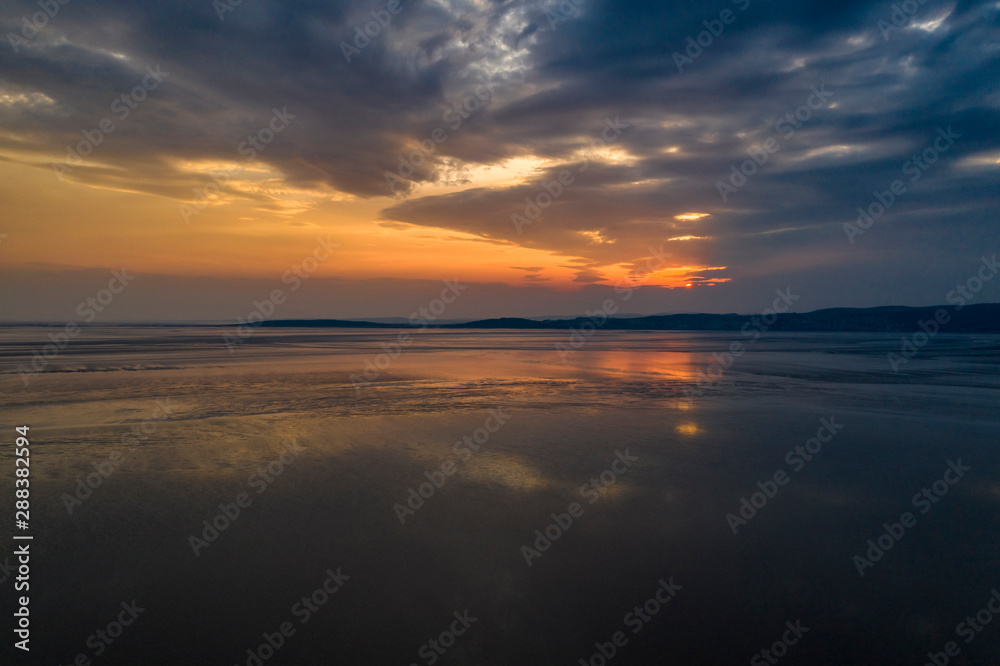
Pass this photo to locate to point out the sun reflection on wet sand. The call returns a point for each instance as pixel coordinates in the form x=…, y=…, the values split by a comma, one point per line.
x=506, y=470
x=689, y=428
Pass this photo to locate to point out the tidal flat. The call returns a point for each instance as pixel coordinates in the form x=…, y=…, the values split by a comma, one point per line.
x=750, y=497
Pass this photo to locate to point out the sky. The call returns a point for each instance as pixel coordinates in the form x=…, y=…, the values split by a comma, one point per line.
x=546, y=155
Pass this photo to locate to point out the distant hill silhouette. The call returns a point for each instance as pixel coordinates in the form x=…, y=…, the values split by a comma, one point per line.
x=982, y=318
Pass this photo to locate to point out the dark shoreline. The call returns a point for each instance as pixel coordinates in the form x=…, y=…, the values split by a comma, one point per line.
x=974, y=318
x=982, y=318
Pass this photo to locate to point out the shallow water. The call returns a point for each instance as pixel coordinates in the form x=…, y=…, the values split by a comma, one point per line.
x=698, y=450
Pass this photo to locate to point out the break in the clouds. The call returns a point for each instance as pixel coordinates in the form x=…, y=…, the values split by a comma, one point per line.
x=739, y=138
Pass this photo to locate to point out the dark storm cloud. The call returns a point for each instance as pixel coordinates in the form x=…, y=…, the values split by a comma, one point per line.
x=872, y=96
x=225, y=77
x=560, y=72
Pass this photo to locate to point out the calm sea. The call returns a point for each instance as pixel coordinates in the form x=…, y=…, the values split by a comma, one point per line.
x=489, y=497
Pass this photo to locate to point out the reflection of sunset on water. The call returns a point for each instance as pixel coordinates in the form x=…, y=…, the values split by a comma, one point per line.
x=689, y=428
x=675, y=365
x=506, y=470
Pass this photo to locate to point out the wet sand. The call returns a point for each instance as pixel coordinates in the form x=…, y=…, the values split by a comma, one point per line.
x=196, y=426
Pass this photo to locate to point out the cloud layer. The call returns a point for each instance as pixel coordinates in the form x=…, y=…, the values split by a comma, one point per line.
x=631, y=126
